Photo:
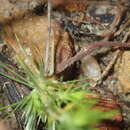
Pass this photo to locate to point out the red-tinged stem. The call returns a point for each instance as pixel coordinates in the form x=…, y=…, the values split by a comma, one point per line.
x=86, y=52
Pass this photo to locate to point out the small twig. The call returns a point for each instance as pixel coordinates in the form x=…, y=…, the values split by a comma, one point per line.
x=122, y=27
x=110, y=65
x=87, y=51
x=126, y=36
x=108, y=68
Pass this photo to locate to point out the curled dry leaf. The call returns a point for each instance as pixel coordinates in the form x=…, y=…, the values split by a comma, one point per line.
x=32, y=33
x=70, y=5
x=65, y=50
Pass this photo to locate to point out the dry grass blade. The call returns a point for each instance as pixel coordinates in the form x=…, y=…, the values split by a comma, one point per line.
x=49, y=52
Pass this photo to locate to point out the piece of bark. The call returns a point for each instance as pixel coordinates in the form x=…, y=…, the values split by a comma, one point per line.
x=11, y=92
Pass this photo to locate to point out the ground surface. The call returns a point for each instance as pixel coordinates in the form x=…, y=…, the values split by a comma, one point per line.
x=108, y=68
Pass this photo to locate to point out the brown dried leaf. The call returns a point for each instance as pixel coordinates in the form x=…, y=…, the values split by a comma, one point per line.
x=32, y=32
x=122, y=69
